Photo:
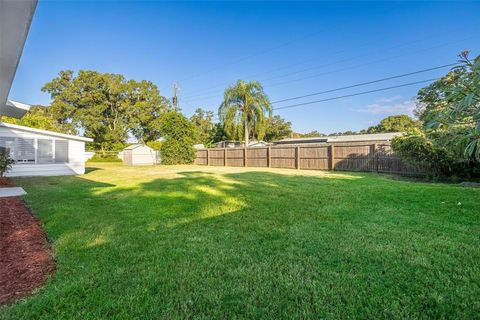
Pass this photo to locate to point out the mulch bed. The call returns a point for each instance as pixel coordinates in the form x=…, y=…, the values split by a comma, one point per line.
x=25, y=257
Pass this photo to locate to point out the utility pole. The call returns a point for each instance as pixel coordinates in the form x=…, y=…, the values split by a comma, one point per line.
x=175, y=99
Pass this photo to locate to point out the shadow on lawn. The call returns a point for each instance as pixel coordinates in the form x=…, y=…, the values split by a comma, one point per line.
x=97, y=212
x=238, y=243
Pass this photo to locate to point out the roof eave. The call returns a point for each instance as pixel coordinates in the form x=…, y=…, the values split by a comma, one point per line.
x=14, y=109
x=45, y=132
x=15, y=20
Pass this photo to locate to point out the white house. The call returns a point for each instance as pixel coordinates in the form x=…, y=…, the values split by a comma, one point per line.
x=42, y=153
x=35, y=152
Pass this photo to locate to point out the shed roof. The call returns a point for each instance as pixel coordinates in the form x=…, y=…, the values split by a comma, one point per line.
x=45, y=132
x=135, y=146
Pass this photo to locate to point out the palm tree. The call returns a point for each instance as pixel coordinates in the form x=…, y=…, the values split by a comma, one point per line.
x=243, y=108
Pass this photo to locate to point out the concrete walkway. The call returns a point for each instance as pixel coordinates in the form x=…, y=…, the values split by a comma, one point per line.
x=12, y=192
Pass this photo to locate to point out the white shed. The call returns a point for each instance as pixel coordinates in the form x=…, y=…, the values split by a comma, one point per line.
x=139, y=154
x=42, y=153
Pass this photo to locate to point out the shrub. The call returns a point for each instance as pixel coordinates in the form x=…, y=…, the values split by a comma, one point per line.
x=155, y=145
x=105, y=157
x=5, y=162
x=415, y=148
x=179, y=135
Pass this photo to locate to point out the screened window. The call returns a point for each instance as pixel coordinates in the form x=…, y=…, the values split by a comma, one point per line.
x=25, y=151
x=61, y=151
x=45, y=151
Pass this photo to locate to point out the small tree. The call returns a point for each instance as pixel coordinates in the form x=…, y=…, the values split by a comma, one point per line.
x=5, y=162
x=179, y=134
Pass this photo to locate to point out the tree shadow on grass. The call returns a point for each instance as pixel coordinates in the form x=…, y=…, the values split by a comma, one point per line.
x=247, y=244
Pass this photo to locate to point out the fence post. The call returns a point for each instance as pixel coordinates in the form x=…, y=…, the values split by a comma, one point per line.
x=208, y=157
x=225, y=157
x=269, y=156
x=332, y=157
x=245, y=157
x=297, y=157
x=375, y=157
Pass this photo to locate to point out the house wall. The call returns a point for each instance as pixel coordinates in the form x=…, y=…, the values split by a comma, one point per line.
x=76, y=156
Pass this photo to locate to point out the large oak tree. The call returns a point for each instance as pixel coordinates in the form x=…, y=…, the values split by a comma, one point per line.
x=106, y=106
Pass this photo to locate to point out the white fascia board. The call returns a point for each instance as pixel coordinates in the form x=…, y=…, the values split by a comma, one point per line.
x=45, y=132
x=14, y=109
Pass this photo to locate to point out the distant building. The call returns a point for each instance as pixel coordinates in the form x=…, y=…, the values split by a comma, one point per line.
x=240, y=144
x=258, y=144
x=229, y=144
x=375, y=137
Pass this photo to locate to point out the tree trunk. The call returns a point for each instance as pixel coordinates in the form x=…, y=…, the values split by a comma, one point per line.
x=245, y=126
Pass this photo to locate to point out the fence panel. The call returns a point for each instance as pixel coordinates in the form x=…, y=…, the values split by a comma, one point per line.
x=257, y=157
x=283, y=157
x=216, y=157
x=354, y=158
x=377, y=157
x=235, y=157
x=201, y=157
x=314, y=157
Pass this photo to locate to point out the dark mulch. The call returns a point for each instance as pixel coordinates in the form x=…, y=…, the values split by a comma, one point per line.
x=6, y=182
x=25, y=257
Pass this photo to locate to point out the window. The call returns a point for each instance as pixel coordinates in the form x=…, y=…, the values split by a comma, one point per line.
x=25, y=152
x=45, y=151
x=61, y=151
x=41, y=151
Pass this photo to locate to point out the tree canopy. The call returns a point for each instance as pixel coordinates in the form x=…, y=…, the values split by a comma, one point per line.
x=40, y=117
x=452, y=104
x=106, y=106
x=277, y=128
x=400, y=123
x=244, y=110
x=205, y=128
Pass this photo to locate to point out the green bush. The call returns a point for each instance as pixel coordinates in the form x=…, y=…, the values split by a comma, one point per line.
x=105, y=157
x=415, y=148
x=440, y=151
x=155, y=145
x=179, y=135
x=5, y=162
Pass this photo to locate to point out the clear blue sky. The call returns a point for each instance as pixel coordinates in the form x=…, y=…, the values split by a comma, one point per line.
x=292, y=48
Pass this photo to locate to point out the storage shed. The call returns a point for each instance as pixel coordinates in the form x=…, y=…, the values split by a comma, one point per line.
x=139, y=154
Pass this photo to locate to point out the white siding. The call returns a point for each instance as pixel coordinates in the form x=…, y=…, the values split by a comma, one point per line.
x=76, y=156
x=141, y=155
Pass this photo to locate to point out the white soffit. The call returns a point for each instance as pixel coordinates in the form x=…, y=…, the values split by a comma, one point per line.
x=15, y=19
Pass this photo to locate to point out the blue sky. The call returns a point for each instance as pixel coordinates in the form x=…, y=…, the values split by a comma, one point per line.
x=292, y=48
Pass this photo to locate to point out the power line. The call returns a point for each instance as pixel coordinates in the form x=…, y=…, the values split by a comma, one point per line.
x=352, y=95
x=336, y=62
x=366, y=83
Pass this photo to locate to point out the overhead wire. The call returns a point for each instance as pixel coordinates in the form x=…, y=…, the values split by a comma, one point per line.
x=353, y=94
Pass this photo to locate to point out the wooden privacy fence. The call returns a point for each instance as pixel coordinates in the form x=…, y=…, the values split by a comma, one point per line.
x=376, y=157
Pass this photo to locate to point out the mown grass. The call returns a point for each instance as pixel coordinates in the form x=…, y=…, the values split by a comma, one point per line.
x=198, y=242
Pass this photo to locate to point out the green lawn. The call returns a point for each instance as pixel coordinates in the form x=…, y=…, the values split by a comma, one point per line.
x=228, y=243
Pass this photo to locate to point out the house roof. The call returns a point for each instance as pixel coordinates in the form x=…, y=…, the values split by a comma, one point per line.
x=45, y=132
x=15, y=20
x=346, y=138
